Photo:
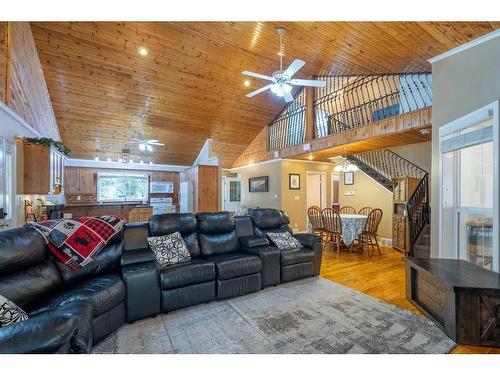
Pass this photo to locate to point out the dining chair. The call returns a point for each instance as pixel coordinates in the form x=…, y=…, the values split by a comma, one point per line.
x=316, y=220
x=347, y=210
x=332, y=226
x=365, y=211
x=369, y=234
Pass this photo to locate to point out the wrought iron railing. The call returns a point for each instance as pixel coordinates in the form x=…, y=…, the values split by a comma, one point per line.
x=362, y=100
x=418, y=211
x=289, y=127
x=389, y=164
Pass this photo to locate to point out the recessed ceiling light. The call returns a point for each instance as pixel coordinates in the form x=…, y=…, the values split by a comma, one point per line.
x=246, y=83
x=141, y=162
x=96, y=158
x=143, y=51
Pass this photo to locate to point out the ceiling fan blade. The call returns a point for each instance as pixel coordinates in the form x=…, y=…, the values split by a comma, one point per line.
x=152, y=140
x=294, y=67
x=258, y=91
x=288, y=97
x=157, y=144
x=307, y=82
x=257, y=75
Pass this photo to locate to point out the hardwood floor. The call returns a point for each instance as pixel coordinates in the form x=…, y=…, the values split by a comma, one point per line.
x=381, y=276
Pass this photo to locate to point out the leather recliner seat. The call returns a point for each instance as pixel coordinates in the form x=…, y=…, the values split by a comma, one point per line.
x=236, y=272
x=295, y=263
x=70, y=310
x=188, y=283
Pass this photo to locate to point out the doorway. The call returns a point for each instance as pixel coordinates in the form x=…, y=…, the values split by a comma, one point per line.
x=7, y=171
x=315, y=190
x=232, y=194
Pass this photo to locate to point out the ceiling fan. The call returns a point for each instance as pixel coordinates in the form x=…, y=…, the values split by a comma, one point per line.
x=147, y=144
x=282, y=80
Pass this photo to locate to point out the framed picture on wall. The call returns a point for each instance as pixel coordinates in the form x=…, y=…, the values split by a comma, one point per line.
x=294, y=181
x=258, y=184
x=348, y=178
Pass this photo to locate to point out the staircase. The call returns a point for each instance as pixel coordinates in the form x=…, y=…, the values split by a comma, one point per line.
x=422, y=247
x=372, y=172
x=383, y=166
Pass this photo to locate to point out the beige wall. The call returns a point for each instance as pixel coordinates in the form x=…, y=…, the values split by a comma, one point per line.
x=462, y=83
x=271, y=199
x=294, y=202
x=368, y=193
x=418, y=153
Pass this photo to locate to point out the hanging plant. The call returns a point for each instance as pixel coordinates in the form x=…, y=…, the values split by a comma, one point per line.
x=49, y=142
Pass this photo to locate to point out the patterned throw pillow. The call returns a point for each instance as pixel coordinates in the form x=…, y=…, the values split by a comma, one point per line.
x=284, y=240
x=10, y=312
x=169, y=249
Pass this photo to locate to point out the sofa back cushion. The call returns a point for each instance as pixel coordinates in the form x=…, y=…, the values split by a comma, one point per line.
x=268, y=220
x=19, y=249
x=186, y=224
x=217, y=233
x=26, y=286
x=106, y=261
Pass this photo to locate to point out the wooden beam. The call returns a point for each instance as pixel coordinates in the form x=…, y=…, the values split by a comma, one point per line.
x=310, y=133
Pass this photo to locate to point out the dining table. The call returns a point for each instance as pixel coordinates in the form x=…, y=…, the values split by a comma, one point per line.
x=352, y=226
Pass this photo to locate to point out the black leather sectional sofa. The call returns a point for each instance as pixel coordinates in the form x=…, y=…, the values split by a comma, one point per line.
x=72, y=310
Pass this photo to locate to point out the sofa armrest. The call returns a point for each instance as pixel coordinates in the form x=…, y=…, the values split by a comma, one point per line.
x=270, y=258
x=307, y=239
x=253, y=241
x=137, y=256
x=312, y=241
x=49, y=332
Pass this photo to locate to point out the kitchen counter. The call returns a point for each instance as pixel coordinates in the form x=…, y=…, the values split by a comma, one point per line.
x=108, y=204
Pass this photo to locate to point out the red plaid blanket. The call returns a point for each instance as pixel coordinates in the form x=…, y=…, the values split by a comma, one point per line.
x=76, y=242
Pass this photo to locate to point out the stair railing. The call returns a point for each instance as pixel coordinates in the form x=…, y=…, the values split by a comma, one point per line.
x=389, y=164
x=418, y=211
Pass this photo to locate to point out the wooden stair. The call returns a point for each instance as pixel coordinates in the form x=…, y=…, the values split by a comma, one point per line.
x=422, y=247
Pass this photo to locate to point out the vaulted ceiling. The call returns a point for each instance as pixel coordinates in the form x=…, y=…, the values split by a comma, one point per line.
x=189, y=87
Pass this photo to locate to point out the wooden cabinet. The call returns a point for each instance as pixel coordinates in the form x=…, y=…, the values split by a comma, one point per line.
x=403, y=189
x=138, y=214
x=79, y=180
x=400, y=233
x=43, y=169
x=205, y=179
x=460, y=297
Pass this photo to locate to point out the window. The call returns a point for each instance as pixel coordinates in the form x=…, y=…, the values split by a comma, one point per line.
x=234, y=191
x=469, y=188
x=122, y=188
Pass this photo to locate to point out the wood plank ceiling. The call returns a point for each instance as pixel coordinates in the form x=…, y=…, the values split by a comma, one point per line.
x=189, y=87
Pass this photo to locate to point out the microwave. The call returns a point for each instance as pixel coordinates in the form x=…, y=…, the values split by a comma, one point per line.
x=161, y=187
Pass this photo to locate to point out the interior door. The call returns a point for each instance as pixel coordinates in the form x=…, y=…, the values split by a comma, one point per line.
x=6, y=185
x=232, y=194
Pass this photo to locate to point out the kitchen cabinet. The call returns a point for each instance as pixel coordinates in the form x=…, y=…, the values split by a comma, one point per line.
x=138, y=214
x=79, y=180
x=43, y=169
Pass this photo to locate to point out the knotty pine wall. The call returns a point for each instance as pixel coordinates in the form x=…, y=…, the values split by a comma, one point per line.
x=22, y=82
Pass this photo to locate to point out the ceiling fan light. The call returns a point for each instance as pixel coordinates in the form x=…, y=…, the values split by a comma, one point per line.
x=351, y=168
x=280, y=89
x=142, y=146
x=149, y=147
x=338, y=168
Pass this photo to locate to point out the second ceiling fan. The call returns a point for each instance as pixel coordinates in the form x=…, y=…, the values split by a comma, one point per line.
x=282, y=80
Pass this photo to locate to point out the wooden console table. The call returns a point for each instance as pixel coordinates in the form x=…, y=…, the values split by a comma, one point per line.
x=461, y=298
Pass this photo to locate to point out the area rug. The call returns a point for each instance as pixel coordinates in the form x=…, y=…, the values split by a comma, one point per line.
x=309, y=316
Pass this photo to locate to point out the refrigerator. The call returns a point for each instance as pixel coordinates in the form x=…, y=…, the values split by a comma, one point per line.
x=186, y=197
